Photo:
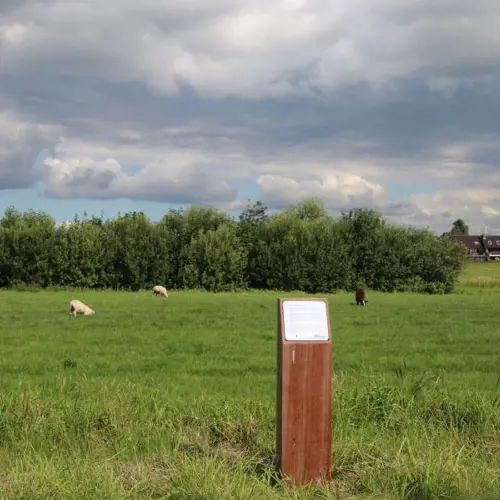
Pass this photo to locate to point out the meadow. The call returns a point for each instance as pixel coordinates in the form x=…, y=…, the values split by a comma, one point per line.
x=175, y=399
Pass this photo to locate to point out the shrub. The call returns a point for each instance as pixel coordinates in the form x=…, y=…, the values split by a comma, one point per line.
x=299, y=248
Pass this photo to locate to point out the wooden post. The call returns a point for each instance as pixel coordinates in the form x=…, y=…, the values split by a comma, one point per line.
x=304, y=390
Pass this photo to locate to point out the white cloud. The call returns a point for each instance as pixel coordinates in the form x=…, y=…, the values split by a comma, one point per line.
x=473, y=205
x=490, y=212
x=458, y=198
x=87, y=178
x=337, y=191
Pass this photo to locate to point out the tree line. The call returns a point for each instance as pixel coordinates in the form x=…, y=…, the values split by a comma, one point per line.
x=299, y=248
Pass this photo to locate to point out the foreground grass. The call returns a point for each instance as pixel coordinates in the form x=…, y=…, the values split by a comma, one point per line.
x=175, y=399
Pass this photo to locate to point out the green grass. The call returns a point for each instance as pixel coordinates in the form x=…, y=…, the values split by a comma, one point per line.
x=481, y=274
x=175, y=399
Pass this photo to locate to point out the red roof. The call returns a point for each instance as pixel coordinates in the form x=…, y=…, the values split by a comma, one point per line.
x=470, y=241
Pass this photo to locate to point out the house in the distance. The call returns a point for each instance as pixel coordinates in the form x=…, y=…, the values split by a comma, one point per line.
x=482, y=247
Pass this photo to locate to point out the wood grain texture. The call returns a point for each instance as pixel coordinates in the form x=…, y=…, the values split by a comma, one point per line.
x=304, y=410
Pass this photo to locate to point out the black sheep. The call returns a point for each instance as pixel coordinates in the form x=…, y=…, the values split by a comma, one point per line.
x=361, y=297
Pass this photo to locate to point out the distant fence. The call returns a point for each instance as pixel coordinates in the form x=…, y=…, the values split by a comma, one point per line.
x=481, y=258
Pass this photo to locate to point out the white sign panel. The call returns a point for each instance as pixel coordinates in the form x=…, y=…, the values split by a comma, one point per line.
x=305, y=320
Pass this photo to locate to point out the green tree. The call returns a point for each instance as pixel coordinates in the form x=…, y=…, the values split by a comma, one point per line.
x=365, y=230
x=249, y=229
x=460, y=227
x=309, y=209
x=215, y=260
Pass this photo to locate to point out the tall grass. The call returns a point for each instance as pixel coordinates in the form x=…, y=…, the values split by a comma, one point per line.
x=174, y=399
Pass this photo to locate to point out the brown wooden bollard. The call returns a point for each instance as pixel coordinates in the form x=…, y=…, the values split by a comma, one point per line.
x=304, y=390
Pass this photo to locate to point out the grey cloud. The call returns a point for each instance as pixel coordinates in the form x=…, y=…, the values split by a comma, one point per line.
x=411, y=214
x=411, y=123
x=7, y=7
x=237, y=48
x=90, y=181
x=20, y=145
x=73, y=178
x=400, y=209
x=193, y=184
x=347, y=88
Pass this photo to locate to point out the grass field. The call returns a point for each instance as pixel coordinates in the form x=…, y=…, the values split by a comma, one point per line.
x=175, y=399
x=480, y=273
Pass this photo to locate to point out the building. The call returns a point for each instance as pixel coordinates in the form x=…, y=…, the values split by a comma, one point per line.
x=482, y=247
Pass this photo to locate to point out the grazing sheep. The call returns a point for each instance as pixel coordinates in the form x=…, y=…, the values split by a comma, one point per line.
x=361, y=297
x=77, y=307
x=160, y=290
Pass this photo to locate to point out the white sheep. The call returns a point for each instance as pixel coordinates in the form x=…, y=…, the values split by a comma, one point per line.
x=160, y=290
x=77, y=307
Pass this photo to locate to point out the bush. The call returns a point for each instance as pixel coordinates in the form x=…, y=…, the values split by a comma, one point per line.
x=299, y=248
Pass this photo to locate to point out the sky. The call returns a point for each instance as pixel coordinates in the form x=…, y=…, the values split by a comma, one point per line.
x=121, y=105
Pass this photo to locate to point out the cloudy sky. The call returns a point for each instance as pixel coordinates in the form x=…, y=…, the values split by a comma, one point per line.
x=123, y=105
